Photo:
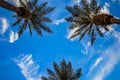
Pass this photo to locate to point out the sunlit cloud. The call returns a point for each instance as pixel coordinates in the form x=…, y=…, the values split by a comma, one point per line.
x=57, y=22
x=86, y=48
x=111, y=59
x=106, y=63
x=15, y=2
x=71, y=32
x=13, y=36
x=105, y=8
x=76, y=2
x=4, y=25
x=28, y=67
x=96, y=63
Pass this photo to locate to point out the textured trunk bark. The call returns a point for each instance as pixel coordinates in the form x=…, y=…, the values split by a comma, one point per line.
x=9, y=6
x=115, y=21
x=21, y=11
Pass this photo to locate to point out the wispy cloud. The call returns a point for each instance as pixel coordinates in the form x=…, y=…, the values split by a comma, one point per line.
x=57, y=22
x=86, y=47
x=13, y=36
x=15, y=2
x=72, y=32
x=105, y=64
x=96, y=63
x=105, y=8
x=28, y=67
x=112, y=58
x=4, y=25
x=76, y=2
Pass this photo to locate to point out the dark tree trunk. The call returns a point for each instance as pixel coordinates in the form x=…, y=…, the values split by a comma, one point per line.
x=21, y=11
x=115, y=21
x=8, y=6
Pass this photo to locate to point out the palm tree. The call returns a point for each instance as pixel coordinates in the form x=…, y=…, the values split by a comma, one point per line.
x=63, y=72
x=30, y=15
x=87, y=19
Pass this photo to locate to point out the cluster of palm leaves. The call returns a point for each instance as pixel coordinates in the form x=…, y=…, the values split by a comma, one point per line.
x=36, y=19
x=63, y=72
x=85, y=18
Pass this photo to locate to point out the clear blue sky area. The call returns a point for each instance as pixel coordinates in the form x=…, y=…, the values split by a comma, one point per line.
x=27, y=58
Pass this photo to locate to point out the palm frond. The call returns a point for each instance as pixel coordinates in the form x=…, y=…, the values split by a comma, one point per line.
x=85, y=6
x=63, y=72
x=30, y=29
x=22, y=3
x=72, y=11
x=99, y=31
x=34, y=2
x=44, y=78
x=20, y=31
x=77, y=74
x=51, y=73
x=56, y=67
x=93, y=37
x=69, y=19
x=46, y=19
x=47, y=29
x=17, y=22
x=33, y=16
x=48, y=10
x=42, y=6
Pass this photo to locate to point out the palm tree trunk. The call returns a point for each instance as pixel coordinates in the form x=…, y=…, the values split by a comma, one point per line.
x=9, y=6
x=115, y=20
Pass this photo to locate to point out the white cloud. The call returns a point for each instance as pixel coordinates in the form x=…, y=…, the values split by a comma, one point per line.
x=57, y=22
x=107, y=61
x=76, y=1
x=71, y=32
x=4, y=26
x=15, y=2
x=86, y=46
x=28, y=67
x=105, y=8
x=13, y=36
x=112, y=58
x=98, y=60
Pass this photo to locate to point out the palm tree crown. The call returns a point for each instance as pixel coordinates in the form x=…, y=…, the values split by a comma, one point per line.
x=88, y=19
x=34, y=16
x=30, y=15
x=63, y=72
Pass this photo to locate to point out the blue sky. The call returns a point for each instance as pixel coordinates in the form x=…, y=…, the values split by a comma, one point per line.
x=27, y=58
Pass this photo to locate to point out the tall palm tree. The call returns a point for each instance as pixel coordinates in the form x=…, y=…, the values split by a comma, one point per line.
x=88, y=19
x=30, y=15
x=64, y=71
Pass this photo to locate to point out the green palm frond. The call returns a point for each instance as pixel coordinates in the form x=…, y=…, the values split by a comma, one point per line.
x=22, y=3
x=77, y=74
x=81, y=20
x=37, y=19
x=30, y=30
x=17, y=22
x=64, y=71
x=47, y=29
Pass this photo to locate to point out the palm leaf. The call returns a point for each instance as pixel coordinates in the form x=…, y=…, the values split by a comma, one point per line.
x=22, y=3
x=47, y=29
x=17, y=22
x=99, y=31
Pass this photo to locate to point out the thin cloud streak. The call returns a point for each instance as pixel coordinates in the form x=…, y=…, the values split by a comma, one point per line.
x=57, y=22
x=28, y=67
x=86, y=48
x=4, y=26
x=13, y=36
x=71, y=32
x=97, y=62
x=105, y=8
x=105, y=64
